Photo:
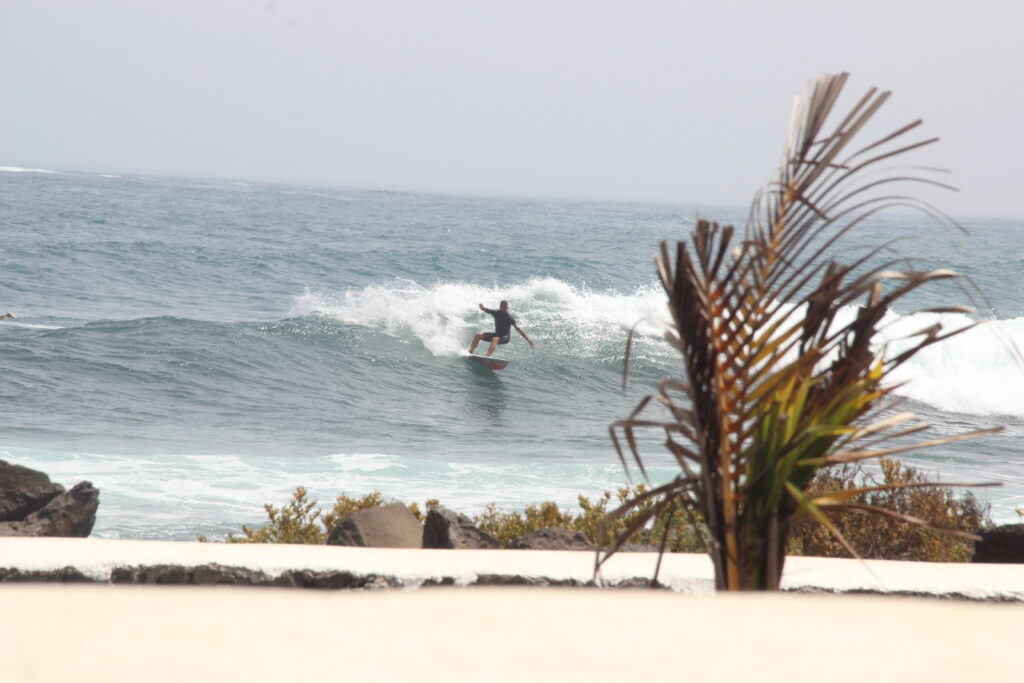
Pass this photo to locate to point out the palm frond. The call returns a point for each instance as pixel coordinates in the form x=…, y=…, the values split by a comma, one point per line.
x=776, y=384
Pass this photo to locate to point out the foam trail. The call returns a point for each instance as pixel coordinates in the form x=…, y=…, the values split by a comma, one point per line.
x=32, y=326
x=17, y=169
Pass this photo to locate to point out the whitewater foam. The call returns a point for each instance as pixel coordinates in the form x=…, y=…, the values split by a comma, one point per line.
x=977, y=372
x=445, y=316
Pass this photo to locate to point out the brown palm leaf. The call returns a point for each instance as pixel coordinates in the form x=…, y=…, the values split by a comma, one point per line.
x=776, y=384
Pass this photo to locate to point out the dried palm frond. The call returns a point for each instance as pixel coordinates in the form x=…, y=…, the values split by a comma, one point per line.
x=776, y=384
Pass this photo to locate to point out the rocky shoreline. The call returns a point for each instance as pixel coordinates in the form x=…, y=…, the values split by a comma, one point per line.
x=43, y=530
x=32, y=505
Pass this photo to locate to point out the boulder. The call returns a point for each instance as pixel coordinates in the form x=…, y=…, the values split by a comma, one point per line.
x=388, y=526
x=24, y=491
x=552, y=538
x=71, y=513
x=445, y=528
x=1001, y=544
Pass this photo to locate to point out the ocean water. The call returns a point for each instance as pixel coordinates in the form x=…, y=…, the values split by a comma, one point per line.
x=199, y=348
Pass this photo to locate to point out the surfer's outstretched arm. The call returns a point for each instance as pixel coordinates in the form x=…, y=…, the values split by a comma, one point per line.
x=530, y=341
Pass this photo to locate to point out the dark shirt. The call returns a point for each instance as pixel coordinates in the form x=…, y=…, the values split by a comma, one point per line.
x=503, y=322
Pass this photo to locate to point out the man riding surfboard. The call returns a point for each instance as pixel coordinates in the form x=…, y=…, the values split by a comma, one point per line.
x=503, y=322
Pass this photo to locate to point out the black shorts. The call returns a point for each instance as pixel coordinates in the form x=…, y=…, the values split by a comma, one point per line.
x=488, y=336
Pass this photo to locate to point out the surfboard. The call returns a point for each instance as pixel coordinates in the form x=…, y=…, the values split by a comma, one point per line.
x=492, y=363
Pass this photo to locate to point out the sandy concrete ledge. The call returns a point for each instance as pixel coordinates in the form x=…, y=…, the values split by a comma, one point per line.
x=116, y=561
x=153, y=633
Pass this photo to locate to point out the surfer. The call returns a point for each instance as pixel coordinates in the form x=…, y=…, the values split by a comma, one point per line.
x=7, y=315
x=503, y=322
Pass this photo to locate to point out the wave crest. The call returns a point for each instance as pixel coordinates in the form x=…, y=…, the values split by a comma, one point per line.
x=977, y=372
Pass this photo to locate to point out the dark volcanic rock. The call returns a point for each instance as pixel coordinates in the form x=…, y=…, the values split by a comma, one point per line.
x=24, y=491
x=71, y=513
x=216, y=574
x=164, y=575
x=62, y=575
x=334, y=580
x=445, y=528
x=388, y=526
x=515, y=580
x=1002, y=544
x=202, y=575
x=552, y=538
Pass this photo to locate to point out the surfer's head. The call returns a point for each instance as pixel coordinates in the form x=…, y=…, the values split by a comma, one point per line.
x=503, y=305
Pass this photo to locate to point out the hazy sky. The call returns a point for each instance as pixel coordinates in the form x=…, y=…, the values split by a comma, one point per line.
x=644, y=100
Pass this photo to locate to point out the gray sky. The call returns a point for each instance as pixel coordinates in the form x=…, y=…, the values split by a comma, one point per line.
x=642, y=100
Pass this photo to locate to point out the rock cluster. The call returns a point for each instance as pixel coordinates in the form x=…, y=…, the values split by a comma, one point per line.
x=32, y=505
x=394, y=526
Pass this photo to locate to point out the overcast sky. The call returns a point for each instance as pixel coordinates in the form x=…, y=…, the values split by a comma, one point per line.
x=642, y=100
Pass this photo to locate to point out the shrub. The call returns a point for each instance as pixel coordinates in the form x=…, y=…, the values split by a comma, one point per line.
x=506, y=526
x=295, y=522
x=883, y=537
x=300, y=521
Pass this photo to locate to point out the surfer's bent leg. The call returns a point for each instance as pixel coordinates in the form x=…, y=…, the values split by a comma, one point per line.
x=495, y=340
x=482, y=336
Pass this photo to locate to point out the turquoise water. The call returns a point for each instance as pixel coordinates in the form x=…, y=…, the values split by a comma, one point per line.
x=198, y=348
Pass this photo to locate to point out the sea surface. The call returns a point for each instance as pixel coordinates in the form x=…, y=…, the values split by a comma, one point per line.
x=198, y=348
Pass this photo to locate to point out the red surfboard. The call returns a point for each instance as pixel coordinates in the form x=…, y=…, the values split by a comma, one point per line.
x=492, y=363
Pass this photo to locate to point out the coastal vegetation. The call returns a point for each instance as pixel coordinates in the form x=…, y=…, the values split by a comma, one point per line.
x=301, y=521
x=781, y=378
x=899, y=491
x=877, y=537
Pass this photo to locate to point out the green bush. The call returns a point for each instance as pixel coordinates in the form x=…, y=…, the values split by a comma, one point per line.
x=591, y=520
x=883, y=537
x=300, y=521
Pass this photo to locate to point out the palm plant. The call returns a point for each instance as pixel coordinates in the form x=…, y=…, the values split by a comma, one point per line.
x=777, y=383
